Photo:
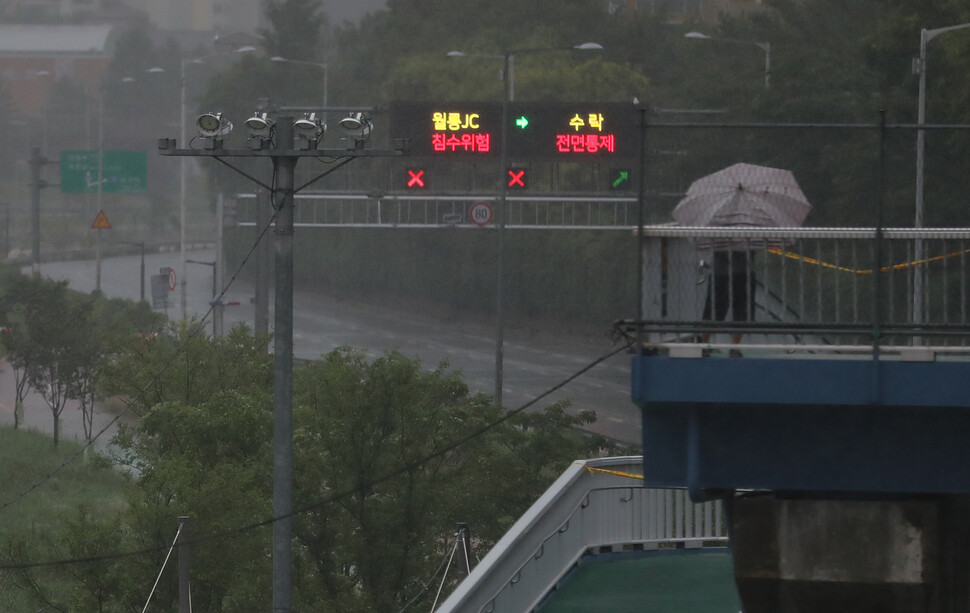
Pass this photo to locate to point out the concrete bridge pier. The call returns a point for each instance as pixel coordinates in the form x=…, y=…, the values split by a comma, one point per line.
x=859, y=555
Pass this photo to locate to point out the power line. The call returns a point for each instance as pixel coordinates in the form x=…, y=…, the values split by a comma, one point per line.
x=233, y=532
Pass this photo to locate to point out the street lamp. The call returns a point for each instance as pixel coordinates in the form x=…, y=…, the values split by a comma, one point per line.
x=323, y=66
x=766, y=47
x=182, y=164
x=919, y=67
x=507, y=77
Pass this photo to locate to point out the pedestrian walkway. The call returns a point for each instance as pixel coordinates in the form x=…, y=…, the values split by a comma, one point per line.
x=37, y=414
x=665, y=581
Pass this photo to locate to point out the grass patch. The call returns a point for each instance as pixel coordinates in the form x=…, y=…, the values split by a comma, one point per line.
x=26, y=457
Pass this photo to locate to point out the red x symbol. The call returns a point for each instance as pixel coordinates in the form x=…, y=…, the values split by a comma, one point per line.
x=414, y=178
x=516, y=177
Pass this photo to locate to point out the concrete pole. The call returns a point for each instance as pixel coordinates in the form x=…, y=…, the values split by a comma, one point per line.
x=141, y=291
x=263, y=216
x=218, y=310
x=501, y=213
x=185, y=562
x=920, y=145
x=35, y=184
x=283, y=371
x=183, y=142
x=97, y=275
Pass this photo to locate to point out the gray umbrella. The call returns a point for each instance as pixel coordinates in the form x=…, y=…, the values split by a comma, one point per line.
x=744, y=195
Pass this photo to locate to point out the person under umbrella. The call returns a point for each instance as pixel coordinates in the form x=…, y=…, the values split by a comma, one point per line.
x=740, y=196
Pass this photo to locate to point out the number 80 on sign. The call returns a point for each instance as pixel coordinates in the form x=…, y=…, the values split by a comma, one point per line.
x=481, y=213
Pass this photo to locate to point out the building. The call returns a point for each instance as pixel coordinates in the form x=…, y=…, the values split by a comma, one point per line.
x=34, y=57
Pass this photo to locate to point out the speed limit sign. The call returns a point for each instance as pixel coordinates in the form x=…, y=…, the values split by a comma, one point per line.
x=171, y=279
x=481, y=213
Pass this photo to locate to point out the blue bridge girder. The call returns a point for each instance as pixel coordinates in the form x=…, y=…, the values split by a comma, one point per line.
x=839, y=390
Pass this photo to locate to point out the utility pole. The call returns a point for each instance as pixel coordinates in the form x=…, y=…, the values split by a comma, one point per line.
x=219, y=308
x=261, y=299
x=284, y=150
x=185, y=562
x=36, y=161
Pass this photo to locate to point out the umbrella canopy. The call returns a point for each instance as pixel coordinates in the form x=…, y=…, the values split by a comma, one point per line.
x=744, y=195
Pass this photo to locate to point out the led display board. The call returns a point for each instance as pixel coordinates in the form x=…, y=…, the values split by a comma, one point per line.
x=448, y=129
x=535, y=130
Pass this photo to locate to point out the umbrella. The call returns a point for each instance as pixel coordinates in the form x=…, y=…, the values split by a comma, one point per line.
x=744, y=195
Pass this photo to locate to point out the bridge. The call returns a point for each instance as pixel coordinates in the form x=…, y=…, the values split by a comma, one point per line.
x=834, y=434
x=836, y=430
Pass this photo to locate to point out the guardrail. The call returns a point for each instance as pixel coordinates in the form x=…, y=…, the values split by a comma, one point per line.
x=595, y=506
x=549, y=211
x=810, y=286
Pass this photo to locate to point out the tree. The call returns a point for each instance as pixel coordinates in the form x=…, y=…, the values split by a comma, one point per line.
x=388, y=458
x=57, y=341
x=55, y=344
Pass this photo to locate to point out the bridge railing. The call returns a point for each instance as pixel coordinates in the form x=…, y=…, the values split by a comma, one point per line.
x=551, y=211
x=810, y=286
x=596, y=506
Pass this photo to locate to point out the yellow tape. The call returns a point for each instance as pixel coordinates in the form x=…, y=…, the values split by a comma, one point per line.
x=864, y=271
x=613, y=472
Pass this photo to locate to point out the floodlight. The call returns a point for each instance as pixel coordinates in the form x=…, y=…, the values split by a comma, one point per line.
x=259, y=124
x=212, y=125
x=353, y=122
x=260, y=130
x=309, y=130
x=357, y=126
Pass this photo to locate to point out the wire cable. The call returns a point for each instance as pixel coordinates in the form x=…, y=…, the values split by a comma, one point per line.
x=445, y=560
x=444, y=577
x=162, y=370
x=162, y=570
x=337, y=496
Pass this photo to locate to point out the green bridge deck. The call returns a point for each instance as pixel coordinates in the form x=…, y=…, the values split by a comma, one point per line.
x=666, y=581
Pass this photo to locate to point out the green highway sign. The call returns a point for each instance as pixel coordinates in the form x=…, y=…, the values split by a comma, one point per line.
x=122, y=172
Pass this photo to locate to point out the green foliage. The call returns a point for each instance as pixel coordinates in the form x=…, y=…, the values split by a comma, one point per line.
x=388, y=457
x=57, y=339
x=50, y=523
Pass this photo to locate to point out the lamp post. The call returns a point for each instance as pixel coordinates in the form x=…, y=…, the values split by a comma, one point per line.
x=919, y=67
x=766, y=47
x=326, y=71
x=509, y=66
x=507, y=78
x=182, y=165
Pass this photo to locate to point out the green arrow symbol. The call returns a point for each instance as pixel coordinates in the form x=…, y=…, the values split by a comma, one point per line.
x=624, y=175
x=522, y=122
